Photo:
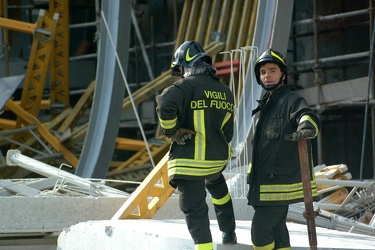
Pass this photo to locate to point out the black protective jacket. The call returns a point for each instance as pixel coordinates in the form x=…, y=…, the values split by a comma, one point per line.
x=205, y=105
x=274, y=174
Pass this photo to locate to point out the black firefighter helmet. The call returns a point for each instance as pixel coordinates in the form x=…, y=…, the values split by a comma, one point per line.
x=274, y=57
x=186, y=55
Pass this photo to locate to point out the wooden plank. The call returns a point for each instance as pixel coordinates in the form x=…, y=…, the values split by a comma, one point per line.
x=250, y=32
x=244, y=25
x=234, y=25
x=193, y=21
x=224, y=16
x=335, y=198
x=203, y=21
x=129, y=144
x=80, y=107
x=346, y=176
x=212, y=20
x=326, y=174
x=183, y=23
x=223, y=23
x=342, y=168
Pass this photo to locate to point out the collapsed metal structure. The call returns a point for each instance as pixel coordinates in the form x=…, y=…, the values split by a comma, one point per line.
x=88, y=146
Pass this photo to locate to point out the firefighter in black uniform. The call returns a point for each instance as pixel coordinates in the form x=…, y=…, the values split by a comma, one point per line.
x=196, y=113
x=274, y=174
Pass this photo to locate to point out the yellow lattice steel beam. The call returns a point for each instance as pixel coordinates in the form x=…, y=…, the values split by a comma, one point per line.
x=38, y=64
x=60, y=58
x=146, y=200
x=43, y=131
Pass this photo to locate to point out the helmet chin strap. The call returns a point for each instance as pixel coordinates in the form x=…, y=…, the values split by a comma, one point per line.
x=275, y=86
x=183, y=72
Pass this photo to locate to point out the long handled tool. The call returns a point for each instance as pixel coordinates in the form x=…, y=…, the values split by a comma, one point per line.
x=309, y=213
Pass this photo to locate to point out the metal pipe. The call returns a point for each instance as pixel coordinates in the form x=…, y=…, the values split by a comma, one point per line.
x=17, y=130
x=371, y=16
x=15, y=158
x=156, y=45
x=370, y=82
x=331, y=17
x=82, y=25
x=317, y=77
x=356, y=104
x=332, y=59
x=346, y=183
x=82, y=57
x=331, y=221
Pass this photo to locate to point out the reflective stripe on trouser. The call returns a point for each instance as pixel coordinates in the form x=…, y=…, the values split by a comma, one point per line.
x=204, y=246
x=192, y=201
x=273, y=232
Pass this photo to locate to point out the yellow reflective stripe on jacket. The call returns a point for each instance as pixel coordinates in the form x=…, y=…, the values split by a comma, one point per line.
x=193, y=172
x=281, y=196
x=200, y=138
x=266, y=247
x=204, y=246
x=226, y=118
x=284, y=192
x=309, y=119
x=221, y=201
x=194, y=167
x=168, y=124
x=284, y=187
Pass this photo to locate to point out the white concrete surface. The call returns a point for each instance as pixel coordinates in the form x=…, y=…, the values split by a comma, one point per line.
x=84, y=223
x=173, y=234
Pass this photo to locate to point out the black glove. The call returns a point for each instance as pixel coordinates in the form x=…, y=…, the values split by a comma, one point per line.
x=303, y=134
x=182, y=135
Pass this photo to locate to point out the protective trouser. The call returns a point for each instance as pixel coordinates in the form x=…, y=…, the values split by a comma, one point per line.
x=192, y=201
x=268, y=228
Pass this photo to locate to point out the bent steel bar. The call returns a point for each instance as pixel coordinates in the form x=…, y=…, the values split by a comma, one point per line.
x=15, y=158
x=109, y=92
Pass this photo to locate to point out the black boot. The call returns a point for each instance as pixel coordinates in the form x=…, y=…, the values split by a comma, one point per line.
x=229, y=238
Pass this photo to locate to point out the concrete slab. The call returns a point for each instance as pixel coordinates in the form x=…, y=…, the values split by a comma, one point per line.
x=173, y=234
x=26, y=215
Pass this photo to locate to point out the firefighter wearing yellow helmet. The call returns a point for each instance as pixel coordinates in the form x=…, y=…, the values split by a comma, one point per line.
x=274, y=174
x=196, y=113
